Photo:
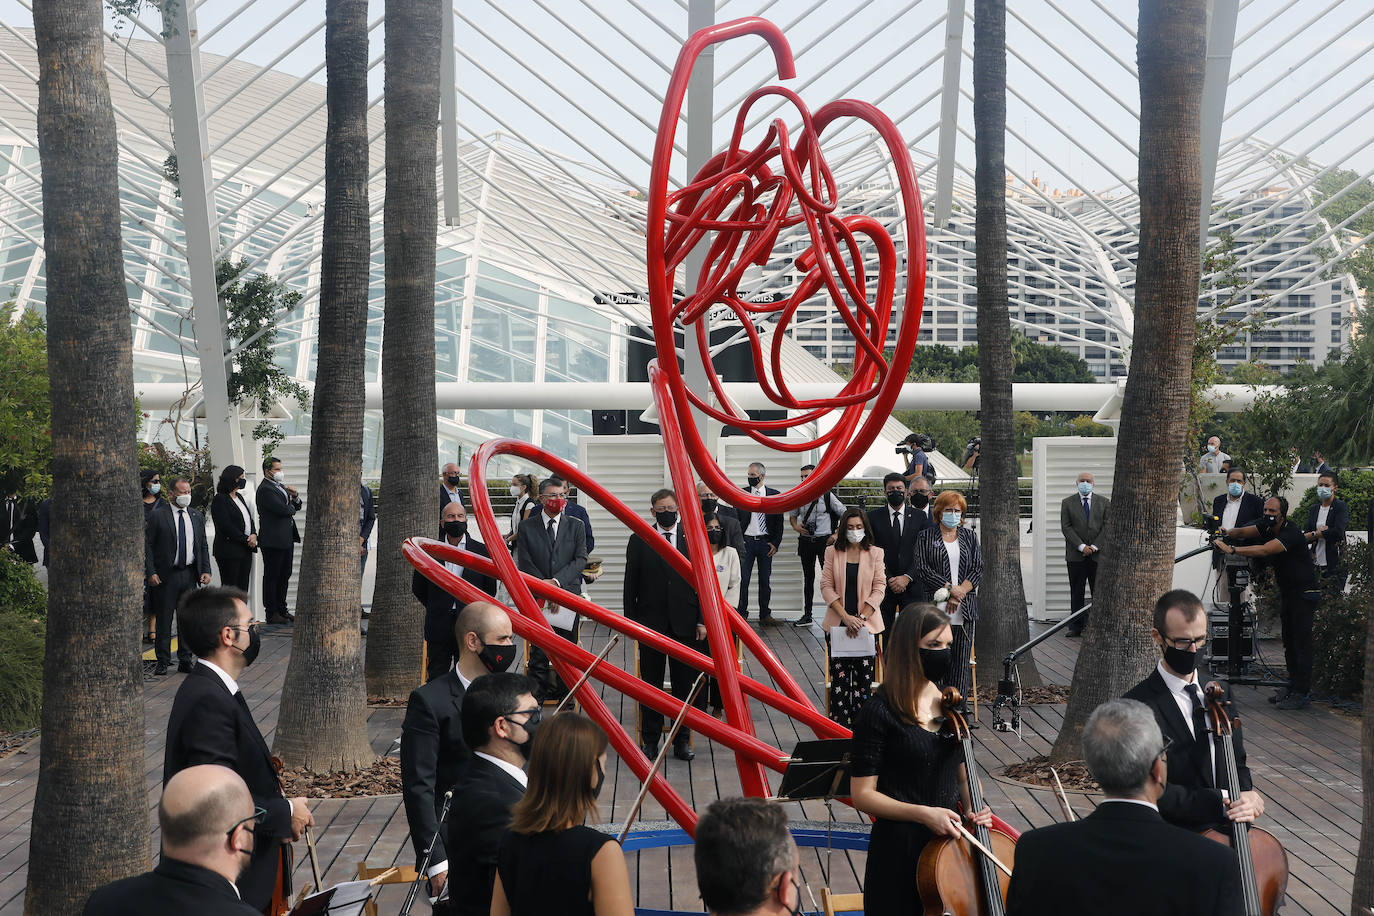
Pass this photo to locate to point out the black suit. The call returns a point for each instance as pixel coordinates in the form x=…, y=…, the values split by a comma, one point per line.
x=898, y=556
x=1192, y=798
x=173, y=888
x=445, y=498
x=162, y=556
x=442, y=610
x=210, y=725
x=1337, y=523
x=232, y=553
x=482, y=799
x=659, y=598
x=1125, y=861
x=432, y=757
x=1251, y=508
x=756, y=551
x=367, y=519
x=18, y=525
x=563, y=561
x=277, y=537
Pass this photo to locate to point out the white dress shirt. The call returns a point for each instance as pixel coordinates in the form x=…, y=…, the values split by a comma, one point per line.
x=179, y=514
x=758, y=522
x=516, y=773
x=1231, y=513
x=1320, y=553
x=1177, y=689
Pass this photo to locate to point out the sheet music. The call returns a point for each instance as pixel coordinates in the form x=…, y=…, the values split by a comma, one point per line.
x=842, y=645
x=561, y=618
x=346, y=899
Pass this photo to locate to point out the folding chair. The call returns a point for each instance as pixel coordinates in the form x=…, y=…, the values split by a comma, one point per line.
x=841, y=903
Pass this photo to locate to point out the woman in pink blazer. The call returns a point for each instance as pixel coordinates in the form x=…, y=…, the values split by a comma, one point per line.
x=852, y=583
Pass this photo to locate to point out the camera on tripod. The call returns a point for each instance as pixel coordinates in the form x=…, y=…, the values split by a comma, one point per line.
x=972, y=448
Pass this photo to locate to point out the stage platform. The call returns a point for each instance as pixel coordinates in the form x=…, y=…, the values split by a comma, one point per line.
x=1306, y=763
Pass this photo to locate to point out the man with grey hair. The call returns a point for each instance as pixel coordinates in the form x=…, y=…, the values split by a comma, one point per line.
x=207, y=820
x=762, y=538
x=746, y=859
x=1123, y=858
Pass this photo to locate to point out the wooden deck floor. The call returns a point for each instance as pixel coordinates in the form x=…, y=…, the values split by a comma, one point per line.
x=1307, y=765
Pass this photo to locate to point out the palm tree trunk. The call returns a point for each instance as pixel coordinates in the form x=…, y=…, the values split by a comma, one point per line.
x=1363, y=892
x=409, y=503
x=323, y=721
x=1003, y=625
x=1139, y=543
x=90, y=814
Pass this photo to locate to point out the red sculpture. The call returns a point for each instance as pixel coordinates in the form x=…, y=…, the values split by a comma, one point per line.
x=740, y=200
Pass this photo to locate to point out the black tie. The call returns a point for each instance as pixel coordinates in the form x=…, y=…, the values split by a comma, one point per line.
x=897, y=524
x=181, y=537
x=669, y=536
x=551, y=533
x=1200, y=733
x=1087, y=516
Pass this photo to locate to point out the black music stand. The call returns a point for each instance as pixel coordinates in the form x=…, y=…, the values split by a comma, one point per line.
x=346, y=899
x=818, y=770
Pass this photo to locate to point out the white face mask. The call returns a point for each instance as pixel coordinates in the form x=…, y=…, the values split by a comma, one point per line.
x=278, y=476
x=183, y=500
x=515, y=490
x=855, y=535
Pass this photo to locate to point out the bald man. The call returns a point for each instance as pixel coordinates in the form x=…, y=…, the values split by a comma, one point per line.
x=449, y=491
x=432, y=748
x=207, y=820
x=442, y=608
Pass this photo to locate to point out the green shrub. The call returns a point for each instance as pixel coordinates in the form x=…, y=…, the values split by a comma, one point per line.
x=20, y=591
x=1338, y=634
x=21, y=672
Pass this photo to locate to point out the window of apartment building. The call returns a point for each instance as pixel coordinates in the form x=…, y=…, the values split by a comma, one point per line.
x=946, y=334
x=1335, y=335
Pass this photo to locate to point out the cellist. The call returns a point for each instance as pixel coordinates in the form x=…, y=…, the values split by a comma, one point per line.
x=1174, y=693
x=904, y=772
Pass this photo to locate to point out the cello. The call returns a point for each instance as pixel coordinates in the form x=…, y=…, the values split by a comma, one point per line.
x=1263, y=863
x=953, y=875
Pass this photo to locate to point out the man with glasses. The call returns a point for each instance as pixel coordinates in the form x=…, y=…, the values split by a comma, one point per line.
x=1123, y=858
x=210, y=724
x=208, y=830
x=500, y=716
x=1197, y=796
x=553, y=547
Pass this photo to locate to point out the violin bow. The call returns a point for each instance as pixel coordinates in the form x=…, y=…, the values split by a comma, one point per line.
x=1063, y=797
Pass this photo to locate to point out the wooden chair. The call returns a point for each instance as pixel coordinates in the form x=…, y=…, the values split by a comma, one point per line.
x=840, y=903
x=400, y=874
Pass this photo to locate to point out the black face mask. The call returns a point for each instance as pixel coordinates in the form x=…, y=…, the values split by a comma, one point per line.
x=935, y=663
x=453, y=480
x=709, y=506
x=240, y=483
x=715, y=535
x=666, y=520
x=530, y=728
x=600, y=779
x=1181, y=662
x=895, y=498
x=455, y=529
x=919, y=500
x=254, y=647
x=496, y=657
x=754, y=482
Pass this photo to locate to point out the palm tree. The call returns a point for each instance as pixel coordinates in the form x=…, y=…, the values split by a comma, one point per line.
x=1139, y=542
x=1004, y=625
x=92, y=719
x=323, y=721
x=409, y=502
x=1363, y=891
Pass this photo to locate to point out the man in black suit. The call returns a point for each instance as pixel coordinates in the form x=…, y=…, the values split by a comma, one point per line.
x=1125, y=859
x=441, y=608
x=449, y=490
x=207, y=821
x=176, y=558
x=729, y=523
x=432, y=748
x=500, y=715
x=658, y=597
x=210, y=723
x=895, y=527
x=1236, y=507
x=1082, y=516
x=45, y=526
x=762, y=538
x=367, y=519
x=1327, y=521
x=277, y=538
x=1193, y=798
x=18, y=518
x=553, y=547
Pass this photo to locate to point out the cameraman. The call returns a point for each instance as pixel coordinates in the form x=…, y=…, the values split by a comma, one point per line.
x=971, y=454
x=915, y=447
x=815, y=526
x=1283, y=544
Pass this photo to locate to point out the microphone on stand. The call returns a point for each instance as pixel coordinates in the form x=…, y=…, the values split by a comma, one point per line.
x=420, y=872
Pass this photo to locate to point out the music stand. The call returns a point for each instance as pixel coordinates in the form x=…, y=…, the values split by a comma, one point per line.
x=346, y=899
x=818, y=770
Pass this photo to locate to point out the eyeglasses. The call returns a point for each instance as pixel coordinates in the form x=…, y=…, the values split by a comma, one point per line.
x=1163, y=751
x=535, y=714
x=256, y=817
x=1185, y=643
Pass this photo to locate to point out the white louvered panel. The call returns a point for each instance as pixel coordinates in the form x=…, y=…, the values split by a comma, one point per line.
x=631, y=467
x=1057, y=463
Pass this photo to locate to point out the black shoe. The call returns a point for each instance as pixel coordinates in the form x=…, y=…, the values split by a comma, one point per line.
x=649, y=750
x=770, y=621
x=682, y=751
x=185, y=667
x=161, y=669
x=802, y=621
x=1073, y=634
x=1280, y=695
x=1295, y=701
x=148, y=640
x=280, y=620
x=367, y=612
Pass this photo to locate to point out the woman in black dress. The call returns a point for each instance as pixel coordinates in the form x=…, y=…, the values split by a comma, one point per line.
x=549, y=862
x=236, y=533
x=905, y=773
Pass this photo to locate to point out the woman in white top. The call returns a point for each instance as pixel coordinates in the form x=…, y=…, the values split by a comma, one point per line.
x=726, y=560
x=948, y=557
x=522, y=487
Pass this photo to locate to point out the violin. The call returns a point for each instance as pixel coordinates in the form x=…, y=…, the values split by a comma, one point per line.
x=954, y=875
x=1263, y=863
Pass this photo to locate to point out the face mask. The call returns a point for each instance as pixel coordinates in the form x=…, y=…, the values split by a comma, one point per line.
x=254, y=647
x=1235, y=489
x=555, y=505
x=935, y=664
x=1180, y=661
x=453, y=480
x=796, y=909
x=1323, y=493
x=278, y=476
x=895, y=498
x=154, y=488
x=709, y=506
x=496, y=657
x=855, y=535
x=530, y=728
x=600, y=779
x=240, y=483
x=716, y=536
x=666, y=519
x=455, y=529
x=951, y=519
x=516, y=490
x=1084, y=488
x=754, y=482
x=920, y=500
x=183, y=500
x=1211, y=449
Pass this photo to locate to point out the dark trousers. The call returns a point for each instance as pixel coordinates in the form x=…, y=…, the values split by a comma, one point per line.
x=1331, y=579
x=441, y=645
x=812, y=553
x=165, y=597
x=235, y=571
x=276, y=575
x=682, y=675
x=551, y=686
x=960, y=651
x=756, y=550
x=1082, y=576
x=1296, y=611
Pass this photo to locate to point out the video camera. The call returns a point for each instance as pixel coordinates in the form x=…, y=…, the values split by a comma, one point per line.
x=971, y=448
x=926, y=443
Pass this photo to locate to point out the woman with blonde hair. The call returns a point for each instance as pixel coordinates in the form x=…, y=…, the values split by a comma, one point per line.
x=853, y=581
x=549, y=861
x=950, y=564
